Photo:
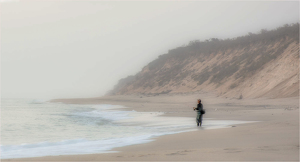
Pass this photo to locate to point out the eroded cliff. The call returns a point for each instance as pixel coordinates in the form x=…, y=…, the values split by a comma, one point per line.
x=251, y=66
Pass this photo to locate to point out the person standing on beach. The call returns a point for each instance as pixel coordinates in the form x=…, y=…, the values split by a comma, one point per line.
x=200, y=112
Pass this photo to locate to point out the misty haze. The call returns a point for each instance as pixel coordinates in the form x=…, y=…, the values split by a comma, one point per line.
x=82, y=49
x=138, y=79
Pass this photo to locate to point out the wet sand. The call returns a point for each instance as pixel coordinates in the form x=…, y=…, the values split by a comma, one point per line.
x=275, y=137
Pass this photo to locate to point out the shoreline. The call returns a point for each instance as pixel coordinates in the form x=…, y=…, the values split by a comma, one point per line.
x=273, y=138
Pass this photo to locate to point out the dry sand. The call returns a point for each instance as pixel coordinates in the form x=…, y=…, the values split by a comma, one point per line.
x=275, y=137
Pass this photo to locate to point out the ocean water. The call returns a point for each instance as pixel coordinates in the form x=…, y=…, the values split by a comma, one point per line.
x=32, y=128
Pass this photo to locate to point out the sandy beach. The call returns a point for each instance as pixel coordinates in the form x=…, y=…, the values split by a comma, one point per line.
x=120, y=80
x=274, y=137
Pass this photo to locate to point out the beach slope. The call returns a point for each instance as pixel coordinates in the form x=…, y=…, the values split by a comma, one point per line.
x=275, y=135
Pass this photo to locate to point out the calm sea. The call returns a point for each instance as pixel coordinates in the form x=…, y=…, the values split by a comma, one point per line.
x=31, y=128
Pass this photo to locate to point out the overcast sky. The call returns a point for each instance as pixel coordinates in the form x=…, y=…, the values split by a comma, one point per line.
x=64, y=49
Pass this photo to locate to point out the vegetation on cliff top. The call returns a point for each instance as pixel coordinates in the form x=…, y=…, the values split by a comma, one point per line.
x=241, y=66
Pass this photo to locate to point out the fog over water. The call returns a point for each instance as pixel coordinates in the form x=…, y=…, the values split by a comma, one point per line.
x=64, y=49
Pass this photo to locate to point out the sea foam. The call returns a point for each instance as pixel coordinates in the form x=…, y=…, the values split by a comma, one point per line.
x=49, y=129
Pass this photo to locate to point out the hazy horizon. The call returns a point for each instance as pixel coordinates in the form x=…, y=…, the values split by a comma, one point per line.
x=82, y=48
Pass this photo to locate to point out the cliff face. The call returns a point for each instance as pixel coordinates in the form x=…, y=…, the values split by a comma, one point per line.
x=256, y=65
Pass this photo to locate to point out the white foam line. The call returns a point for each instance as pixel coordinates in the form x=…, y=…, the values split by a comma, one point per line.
x=161, y=124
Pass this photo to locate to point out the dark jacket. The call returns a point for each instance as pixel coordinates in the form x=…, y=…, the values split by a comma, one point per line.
x=199, y=108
